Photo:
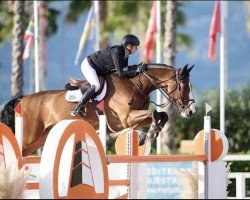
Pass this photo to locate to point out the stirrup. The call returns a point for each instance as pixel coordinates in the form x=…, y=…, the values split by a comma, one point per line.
x=78, y=111
x=73, y=112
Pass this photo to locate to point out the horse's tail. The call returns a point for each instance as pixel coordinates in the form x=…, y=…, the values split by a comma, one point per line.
x=7, y=115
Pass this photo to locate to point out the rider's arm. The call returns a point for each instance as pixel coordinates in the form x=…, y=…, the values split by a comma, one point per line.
x=126, y=62
x=118, y=58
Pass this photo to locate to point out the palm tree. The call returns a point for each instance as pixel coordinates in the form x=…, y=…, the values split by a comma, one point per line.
x=169, y=58
x=6, y=22
x=17, y=50
x=247, y=7
x=117, y=18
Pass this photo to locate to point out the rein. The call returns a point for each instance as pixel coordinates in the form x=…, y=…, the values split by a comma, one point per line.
x=179, y=107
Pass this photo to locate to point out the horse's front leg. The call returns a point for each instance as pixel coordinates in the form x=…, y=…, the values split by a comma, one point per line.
x=145, y=117
x=159, y=120
x=139, y=118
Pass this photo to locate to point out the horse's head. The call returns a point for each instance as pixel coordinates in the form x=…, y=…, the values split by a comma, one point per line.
x=179, y=91
x=174, y=84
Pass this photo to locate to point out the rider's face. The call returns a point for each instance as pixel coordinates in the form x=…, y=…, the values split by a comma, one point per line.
x=133, y=49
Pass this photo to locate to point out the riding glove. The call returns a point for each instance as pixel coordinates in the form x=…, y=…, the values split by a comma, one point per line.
x=130, y=74
x=141, y=67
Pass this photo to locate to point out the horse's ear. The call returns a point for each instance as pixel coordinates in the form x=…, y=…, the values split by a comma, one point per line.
x=183, y=70
x=190, y=68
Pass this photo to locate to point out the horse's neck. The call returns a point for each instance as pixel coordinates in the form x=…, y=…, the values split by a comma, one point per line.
x=159, y=74
x=157, y=77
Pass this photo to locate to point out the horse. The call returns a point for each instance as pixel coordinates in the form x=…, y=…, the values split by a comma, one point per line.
x=126, y=105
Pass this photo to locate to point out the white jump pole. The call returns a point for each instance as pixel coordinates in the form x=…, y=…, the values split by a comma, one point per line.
x=212, y=175
x=136, y=171
x=203, y=168
x=103, y=130
x=19, y=127
x=132, y=168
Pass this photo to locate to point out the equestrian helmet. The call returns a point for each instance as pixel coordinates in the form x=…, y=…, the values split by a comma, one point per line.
x=130, y=39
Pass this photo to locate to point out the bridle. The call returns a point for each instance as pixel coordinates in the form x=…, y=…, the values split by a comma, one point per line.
x=177, y=86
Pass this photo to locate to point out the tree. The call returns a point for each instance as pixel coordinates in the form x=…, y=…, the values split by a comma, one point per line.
x=237, y=124
x=15, y=16
x=169, y=59
x=121, y=17
x=247, y=7
x=6, y=21
x=117, y=18
x=17, y=50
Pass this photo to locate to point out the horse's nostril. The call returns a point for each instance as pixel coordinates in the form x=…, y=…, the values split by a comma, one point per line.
x=190, y=113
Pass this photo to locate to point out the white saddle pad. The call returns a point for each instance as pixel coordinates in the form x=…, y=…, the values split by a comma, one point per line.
x=76, y=95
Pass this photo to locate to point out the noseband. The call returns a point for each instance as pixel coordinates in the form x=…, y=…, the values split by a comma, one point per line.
x=179, y=106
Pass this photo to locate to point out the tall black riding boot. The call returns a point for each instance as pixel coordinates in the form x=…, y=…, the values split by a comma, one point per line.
x=89, y=93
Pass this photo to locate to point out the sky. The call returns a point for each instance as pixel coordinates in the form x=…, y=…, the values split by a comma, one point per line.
x=207, y=73
x=62, y=48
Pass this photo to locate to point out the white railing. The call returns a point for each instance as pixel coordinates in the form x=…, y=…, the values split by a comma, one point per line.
x=239, y=176
x=237, y=158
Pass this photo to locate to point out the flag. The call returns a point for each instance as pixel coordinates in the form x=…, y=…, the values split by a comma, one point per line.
x=208, y=108
x=87, y=33
x=214, y=29
x=152, y=29
x=28, y=38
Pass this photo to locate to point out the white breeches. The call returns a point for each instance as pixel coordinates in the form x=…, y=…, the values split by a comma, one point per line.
x=90, y=74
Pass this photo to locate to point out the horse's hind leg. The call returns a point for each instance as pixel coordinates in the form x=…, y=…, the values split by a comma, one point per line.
x=30, y=149
x=35, y=146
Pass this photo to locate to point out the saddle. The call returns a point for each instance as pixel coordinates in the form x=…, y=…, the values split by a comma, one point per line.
x=76, y=84
x=75, y=88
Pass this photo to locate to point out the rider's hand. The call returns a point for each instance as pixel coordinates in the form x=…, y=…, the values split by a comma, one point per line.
x=143, y=64
x=132, y=67
x=141, y=67
x=131, y=74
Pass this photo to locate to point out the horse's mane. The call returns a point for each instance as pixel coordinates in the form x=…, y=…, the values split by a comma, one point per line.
x=154, y=66
x=159, y=65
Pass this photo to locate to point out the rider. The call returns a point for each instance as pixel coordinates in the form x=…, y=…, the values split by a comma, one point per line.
x=105, y=61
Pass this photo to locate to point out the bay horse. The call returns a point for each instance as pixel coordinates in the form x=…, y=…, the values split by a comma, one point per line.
x=126, y=105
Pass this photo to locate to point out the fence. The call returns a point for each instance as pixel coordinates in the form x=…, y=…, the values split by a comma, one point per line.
x=239, y=176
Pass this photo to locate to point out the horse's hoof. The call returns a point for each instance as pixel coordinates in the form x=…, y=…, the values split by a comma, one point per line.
x=142, y=138
x=155, y=116
x=153, y=134
x=164, y=118
x=160, y=118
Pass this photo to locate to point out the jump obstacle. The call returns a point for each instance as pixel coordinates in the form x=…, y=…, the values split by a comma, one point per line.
x=77, y=139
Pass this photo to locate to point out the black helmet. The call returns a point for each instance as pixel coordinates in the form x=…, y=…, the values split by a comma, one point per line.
x=130, y=39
